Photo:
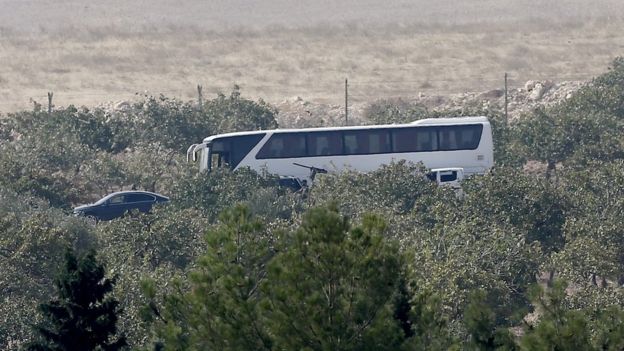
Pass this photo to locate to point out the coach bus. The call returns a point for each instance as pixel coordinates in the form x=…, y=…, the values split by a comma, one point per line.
x=462, y=142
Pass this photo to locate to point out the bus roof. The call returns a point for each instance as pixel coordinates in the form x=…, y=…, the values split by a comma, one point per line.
x=421, y=122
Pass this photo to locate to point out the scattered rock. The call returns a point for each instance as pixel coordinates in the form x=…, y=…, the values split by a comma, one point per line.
x=529, y=85
x=537, y=91
x=123, y=106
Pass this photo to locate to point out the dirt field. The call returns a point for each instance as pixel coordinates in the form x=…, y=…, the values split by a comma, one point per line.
x=87, y=53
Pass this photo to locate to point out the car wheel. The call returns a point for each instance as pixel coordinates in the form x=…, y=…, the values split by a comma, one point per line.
x=91, y=219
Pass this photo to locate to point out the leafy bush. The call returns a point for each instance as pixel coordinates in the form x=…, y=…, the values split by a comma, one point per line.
x=394, y=111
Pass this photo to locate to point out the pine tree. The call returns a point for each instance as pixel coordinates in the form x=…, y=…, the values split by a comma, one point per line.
x=480, y=322
x=333, y=288
x=219, y=311
x=429, y=326
x=559, y=328
x=82, y=317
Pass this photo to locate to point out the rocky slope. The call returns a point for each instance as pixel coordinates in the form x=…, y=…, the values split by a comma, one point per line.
x=300, y=113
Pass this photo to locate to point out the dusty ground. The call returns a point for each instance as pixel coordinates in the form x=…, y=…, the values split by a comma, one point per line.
x=91, y=52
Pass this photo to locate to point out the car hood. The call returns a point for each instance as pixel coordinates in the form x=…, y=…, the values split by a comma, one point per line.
x=83, y=207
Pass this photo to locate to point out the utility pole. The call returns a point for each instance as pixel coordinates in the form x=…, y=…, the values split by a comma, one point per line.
x=346, y=102
x=506, y=101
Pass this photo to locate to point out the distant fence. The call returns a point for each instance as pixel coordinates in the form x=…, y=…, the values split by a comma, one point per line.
x=358, y=90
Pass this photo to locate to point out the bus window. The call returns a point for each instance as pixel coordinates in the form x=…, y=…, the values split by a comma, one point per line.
x=218, y=160
x=230, y=151
x=324, y=143
x=284, y=145
x=426, y=139
x=414, y=139
x=366, y=142
x=465, y=137
x=220, y=151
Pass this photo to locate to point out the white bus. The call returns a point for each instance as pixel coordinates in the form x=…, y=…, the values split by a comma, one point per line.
x=463, y=142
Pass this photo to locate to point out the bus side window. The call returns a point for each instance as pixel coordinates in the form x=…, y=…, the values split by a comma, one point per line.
x=366, y=142
x=295, y=145
x=460, y=137
x=276, y=148
x=286, y=145
x=350, y=144
x=447, y=139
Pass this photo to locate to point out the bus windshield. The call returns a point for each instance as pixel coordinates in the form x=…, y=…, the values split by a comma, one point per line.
x=219, y=155
x=230, y=151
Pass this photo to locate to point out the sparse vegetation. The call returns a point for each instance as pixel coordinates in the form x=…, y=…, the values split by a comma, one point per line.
x=277, y=63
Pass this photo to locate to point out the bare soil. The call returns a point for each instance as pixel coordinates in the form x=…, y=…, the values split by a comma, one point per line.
x=88, y=53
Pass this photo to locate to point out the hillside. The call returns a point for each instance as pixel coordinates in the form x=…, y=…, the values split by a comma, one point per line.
x=87, y=54
x=298, y=112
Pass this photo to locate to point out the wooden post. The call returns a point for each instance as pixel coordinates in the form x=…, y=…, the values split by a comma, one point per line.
x=50, y=94
x=506, y=102
x=200, y=97
x=346, y=102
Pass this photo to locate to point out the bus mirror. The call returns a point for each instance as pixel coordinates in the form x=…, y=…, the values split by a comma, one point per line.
x=190, y=154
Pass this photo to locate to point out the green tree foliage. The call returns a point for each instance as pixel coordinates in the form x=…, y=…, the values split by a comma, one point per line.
x=557, y=135
x=558, y=327
x=581, y=129
x=221, y=309
x=532, y=205
x=593, y=229
x=608, y=327
x=399, y=187
x=395, y=111
x=429, y=326
x=158, y=246
x=480, y=321
x=457, y=257
x=220, y=189
x=605, y=93
x=233, y=113
x=44, y=167
x=325, y=286
x=73, y=155
x=178, y=124
x=84, y=315
x=33, y=238
x=91, y=128
x=333, y=287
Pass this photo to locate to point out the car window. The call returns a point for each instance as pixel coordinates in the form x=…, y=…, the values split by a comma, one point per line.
x=448, y=176
x=117, y=199
x=139, y=197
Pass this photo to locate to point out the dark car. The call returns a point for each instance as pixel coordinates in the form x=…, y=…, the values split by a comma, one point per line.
x=117, y=204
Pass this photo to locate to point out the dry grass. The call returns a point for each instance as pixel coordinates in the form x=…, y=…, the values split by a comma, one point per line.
x=96, y=65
